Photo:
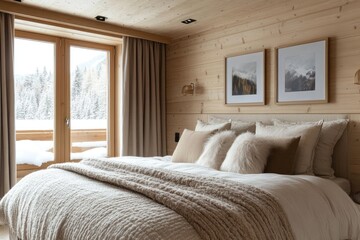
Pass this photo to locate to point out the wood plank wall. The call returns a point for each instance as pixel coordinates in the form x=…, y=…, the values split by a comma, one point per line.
x=200, y=59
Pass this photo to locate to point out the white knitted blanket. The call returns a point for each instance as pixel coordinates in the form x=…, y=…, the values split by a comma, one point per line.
x=215, y=208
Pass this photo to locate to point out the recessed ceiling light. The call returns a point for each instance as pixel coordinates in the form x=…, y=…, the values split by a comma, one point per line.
x=100, y=18
x=188, y=21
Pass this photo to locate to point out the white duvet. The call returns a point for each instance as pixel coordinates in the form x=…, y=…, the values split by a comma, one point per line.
x=316, y=208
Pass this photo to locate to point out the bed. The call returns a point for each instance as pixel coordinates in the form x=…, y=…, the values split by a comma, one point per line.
x=153, y=198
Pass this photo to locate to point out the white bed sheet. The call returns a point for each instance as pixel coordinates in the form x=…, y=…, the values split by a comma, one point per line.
x=316, y=208
x=343, y=183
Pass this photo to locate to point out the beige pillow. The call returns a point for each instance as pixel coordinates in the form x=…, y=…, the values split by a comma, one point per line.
x=190, y=146
x=248, y=154
x=236, y=125
x=330, y=134
x=216, y=148
x=281, y=159
x=305, y=153
x=203, y=126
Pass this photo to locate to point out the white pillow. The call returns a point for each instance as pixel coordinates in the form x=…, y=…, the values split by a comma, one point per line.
x=330, y=134
x=203, y=126
x=305, y=153
x=248, y=154
x=236, y=125
x=215, y=149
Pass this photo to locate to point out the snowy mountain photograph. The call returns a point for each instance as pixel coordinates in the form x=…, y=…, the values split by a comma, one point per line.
x=300, y=73
x=244, y=79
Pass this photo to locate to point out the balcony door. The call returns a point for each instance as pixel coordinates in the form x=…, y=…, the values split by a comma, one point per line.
x=64, y=100
x=89, y=105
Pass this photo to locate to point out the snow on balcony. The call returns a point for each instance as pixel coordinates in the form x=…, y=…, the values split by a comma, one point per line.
x=38, y=152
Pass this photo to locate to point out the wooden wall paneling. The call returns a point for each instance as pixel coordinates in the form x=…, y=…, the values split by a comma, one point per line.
x=200, y=58
x=177, y=123
x=342, y=68
x=275, y=25
x=235, y=45
x=271, y=36
x=260, y=18
x=350, y=104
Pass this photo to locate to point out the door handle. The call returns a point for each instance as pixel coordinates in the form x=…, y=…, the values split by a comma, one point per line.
x=67, y=122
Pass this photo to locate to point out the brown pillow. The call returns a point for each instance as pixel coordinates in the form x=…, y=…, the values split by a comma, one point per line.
x=330, y=134
x=190, y=146
x=309, y=138
x=281, y=159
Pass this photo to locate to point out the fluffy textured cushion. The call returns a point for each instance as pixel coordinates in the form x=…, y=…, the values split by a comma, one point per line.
x=309, y=134
x=236, y=125
x=203, y=126
x=281, y=159
x=216, y=148
x=248, y=154
x=190, y=146
x=330, y=134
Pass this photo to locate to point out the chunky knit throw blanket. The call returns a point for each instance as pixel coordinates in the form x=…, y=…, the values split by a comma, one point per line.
x=216, y=209
x=112, y=199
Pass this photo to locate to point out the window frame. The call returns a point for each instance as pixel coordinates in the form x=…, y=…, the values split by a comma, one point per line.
x=111, y=92
x=61, y=133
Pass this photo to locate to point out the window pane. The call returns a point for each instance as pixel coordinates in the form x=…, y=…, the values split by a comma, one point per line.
x=89, y=93
x=34, y=101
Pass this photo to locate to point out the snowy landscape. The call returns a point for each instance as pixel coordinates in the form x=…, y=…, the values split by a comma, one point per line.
x=39, y=152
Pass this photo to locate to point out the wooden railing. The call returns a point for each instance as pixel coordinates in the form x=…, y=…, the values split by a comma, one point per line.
x=40, y=135
x=86, y=135
x=46, y=135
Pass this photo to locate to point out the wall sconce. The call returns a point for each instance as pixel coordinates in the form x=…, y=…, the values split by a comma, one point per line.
x=188, y=89
x=357, y=77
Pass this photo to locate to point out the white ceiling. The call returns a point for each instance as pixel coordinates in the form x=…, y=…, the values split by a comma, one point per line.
x=162, y=17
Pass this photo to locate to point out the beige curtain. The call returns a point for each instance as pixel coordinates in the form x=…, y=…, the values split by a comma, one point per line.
x=143, y=98
x=7, y=118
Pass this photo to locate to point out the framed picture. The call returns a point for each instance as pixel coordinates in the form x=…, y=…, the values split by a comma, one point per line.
x=245, y=79
x=302, y=73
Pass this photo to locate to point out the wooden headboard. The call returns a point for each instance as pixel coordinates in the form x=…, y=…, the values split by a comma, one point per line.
x=340, y=156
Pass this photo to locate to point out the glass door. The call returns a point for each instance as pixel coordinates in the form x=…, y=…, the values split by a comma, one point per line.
x=64, y=100
x=34, y=70
x=89, y=102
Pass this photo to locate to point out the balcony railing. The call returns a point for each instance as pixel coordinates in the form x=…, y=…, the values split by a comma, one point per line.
x=39, y=144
